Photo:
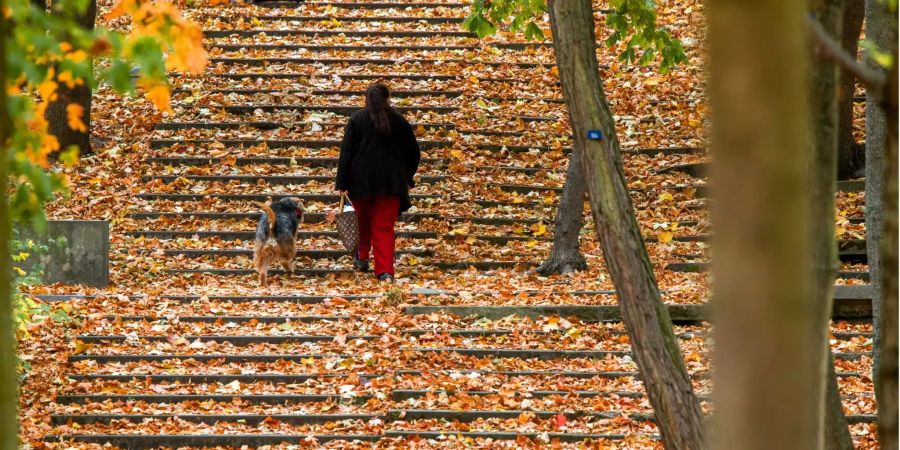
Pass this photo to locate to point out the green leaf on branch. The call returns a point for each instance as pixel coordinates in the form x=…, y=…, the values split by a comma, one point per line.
x=533, y=31
x=882, y=58
x=479, y=25
x=632, y=21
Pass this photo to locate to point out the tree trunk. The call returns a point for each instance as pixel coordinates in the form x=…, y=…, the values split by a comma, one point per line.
x=56, y=114
x=655, y=347
x=851, y=155
x=9, y=399
x=764, y=314
x=881, y=30
x=886, y=347
x=825, y=131
x=565, y=256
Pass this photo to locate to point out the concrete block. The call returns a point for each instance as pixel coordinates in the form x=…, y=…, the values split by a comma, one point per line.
x=82, y=259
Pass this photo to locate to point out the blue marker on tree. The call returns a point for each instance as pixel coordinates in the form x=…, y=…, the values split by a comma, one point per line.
x=594, y=135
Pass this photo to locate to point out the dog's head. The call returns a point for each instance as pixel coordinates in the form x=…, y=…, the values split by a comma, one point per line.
x=292, y=204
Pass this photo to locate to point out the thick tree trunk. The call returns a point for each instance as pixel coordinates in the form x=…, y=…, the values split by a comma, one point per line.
x=851, y=155
x=763, y=309
x=56, y=114
x=825, y=130
x=565, y=256
x=886, y=347
x=881, y=29
x=653, y=341
x=9, y=399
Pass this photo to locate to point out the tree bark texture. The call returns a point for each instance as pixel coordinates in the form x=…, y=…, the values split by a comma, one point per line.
x=9, y=399
x=56, y=114
x=763, y=309
x=565, y=255
x=887, y=348
x=653, y=341
x=881, y=30
x=825, y=131
x=851, y=155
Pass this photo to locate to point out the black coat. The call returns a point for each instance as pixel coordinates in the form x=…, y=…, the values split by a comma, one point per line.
x=372, y=164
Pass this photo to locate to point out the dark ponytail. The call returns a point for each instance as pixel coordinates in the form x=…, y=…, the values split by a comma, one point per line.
x=379, y=107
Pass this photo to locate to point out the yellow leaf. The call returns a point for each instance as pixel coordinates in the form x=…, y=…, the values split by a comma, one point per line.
x=460, y=231
x=665, y=236
x=531, y=243
x=665, y=196
x=159, y=96
x=77, y=56
x=470, y=240
x=66, y=78
x=120, y=9
x=47, y=88
x=458, y=154
x=653, y=81
x=74, y=113
x=541, y=230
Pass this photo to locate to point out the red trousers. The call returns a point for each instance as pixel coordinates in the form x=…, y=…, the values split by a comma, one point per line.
x=377, y=216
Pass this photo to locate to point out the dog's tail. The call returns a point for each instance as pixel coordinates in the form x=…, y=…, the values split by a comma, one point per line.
x=270, y=214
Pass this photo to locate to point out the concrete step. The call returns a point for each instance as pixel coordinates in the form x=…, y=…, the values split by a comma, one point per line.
x=276, y=143
x=357, y=76
x=250, y=235
x=240, y=340
x=845, y=308
x=702, y=266
x=228, y=319
x=268, y=179
x=179, y=398
x=337, y=109
x=264, y=125
x=523, y=354
x=300, y=299
x=396, y=19
x=434, y=34
x=504, y=435
x=308, y=218
x=200, y=378
x=306, y=197
x=302, y=253
x=264, y=160
x=258, y=62
x=225, y=357
x=341, y=48
x=361, y=5
x=445, y=265
x=249, y=419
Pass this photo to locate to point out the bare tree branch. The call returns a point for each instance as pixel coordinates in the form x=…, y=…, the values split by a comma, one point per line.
x=828, y=48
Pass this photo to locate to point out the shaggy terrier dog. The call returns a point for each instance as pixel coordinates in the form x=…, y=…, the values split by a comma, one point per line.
x=276, y=235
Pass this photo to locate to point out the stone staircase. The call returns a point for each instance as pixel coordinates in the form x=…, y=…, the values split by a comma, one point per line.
x=328, y=359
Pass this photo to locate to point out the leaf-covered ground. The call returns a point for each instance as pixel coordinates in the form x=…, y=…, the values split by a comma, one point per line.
x=185, y=343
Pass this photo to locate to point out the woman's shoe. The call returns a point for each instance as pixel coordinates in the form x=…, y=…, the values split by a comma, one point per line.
x=360, y=265
x=386, y=277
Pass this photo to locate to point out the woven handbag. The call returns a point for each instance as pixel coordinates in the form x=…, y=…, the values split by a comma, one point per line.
x=347, y=224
